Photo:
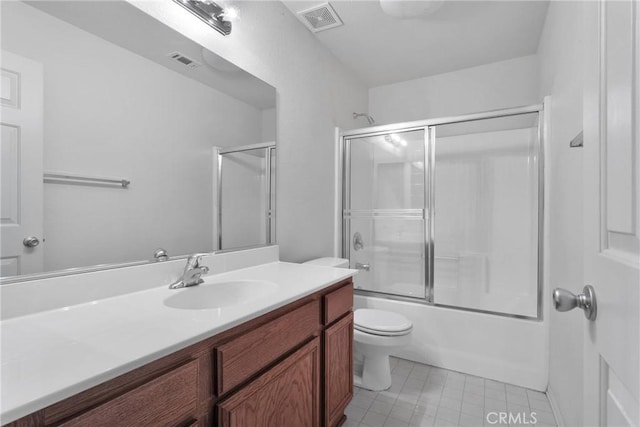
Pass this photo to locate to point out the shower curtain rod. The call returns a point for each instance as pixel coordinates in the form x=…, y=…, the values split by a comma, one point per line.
x=492, y=114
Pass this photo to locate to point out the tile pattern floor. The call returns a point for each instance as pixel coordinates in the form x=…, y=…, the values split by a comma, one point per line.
x=422, y=395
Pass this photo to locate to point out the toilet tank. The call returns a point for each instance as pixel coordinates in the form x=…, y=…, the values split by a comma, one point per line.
x=330, y=262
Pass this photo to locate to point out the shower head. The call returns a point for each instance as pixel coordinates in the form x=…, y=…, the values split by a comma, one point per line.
x=369, y=118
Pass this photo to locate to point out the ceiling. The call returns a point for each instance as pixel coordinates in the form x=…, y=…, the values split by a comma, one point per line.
x=381, y=49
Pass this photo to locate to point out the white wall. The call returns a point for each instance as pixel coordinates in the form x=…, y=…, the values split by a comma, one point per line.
x=269, y=121
x=109, y=112
x=493, y=86
x=560, y=56
x=315, y=94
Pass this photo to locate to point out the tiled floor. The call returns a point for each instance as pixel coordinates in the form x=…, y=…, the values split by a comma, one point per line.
x=422, y=395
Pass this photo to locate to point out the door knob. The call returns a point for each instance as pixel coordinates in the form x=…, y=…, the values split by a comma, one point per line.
x=563, y=300
x=31, y=241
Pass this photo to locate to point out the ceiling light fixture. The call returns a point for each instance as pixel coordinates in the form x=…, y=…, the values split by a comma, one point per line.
x=395, y=140
x=211, y=13
x=410, y=9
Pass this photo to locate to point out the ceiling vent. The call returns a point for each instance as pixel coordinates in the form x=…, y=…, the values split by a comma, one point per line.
x=184, y=60
x=320, y=18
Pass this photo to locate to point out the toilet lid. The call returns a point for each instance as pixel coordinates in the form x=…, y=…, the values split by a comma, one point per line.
x=381, y=322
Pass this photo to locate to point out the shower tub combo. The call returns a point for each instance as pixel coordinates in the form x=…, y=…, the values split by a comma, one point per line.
x=443, y=218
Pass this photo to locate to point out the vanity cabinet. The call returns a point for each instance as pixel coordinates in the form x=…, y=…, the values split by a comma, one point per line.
x=292, y=367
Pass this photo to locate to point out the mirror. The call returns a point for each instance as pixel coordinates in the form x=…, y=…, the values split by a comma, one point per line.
x=125, y=124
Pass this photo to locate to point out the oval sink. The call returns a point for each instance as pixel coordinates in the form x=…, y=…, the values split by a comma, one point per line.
x=220, y=294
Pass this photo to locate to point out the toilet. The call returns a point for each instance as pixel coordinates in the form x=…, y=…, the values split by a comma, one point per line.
x=376, y=334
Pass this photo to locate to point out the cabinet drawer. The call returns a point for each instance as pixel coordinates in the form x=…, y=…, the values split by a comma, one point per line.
x=337, y=303
x=242, y=357
x=164, y=401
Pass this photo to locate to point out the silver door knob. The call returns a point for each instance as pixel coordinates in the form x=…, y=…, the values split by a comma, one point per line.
x=563, y=300
x=31, y=241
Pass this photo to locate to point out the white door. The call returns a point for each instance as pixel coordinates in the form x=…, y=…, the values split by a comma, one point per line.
x=612, y=211
x=20, y=165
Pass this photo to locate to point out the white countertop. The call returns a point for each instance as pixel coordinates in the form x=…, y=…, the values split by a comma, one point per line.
x=51, y=355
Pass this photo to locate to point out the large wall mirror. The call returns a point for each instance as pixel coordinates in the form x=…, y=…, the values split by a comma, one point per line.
x=113, y=137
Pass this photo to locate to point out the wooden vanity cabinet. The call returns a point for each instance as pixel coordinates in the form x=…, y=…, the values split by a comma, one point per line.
x=290, y=367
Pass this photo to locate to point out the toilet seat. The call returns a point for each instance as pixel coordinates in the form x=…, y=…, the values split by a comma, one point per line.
x=381, y=322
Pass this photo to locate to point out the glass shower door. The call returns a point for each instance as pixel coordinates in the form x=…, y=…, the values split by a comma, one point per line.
x=486, y=197
x=384, y=212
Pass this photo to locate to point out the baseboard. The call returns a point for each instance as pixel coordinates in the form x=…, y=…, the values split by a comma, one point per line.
x=554, y=407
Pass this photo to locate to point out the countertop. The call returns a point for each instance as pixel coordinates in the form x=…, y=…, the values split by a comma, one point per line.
x=51, y=355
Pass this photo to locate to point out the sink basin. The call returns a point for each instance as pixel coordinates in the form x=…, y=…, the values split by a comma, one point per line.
x=220, y=294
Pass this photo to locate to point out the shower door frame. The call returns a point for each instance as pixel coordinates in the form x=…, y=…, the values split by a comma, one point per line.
x=429, y=126
x=269, y=212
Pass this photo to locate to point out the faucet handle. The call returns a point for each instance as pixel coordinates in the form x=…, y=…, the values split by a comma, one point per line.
x=194, y=260
x=161, y=255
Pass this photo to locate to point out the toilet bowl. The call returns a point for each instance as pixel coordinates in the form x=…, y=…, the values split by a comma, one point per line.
x=377, y=334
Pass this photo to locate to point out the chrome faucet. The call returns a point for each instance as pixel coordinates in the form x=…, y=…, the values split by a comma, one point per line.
x=192, y=272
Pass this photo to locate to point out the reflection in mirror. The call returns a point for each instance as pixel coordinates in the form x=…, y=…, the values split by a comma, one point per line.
x=94, y=105
x=246, y=196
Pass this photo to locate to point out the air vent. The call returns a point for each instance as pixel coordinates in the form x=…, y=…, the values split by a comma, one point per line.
x=184, y=60
x=320, y=18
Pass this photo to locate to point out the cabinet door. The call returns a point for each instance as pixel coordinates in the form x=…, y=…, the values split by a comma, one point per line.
x=338, y=373
x=286, y=395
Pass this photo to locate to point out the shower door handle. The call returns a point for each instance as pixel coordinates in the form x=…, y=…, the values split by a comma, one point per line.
x=360, y=266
